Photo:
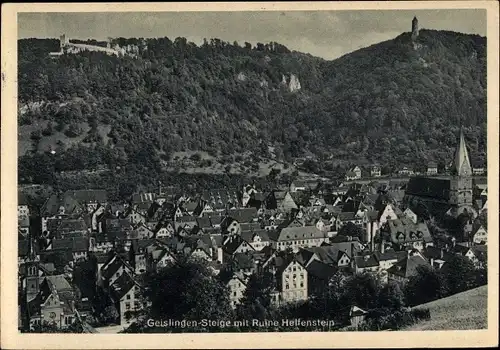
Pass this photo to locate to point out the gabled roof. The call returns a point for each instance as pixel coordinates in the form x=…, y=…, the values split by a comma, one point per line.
x=372, y=215
x=294, y=233
x=243, y=260
x=248, y=236
x=407, y=230
x=250, y=226
x=390, y=255
x=140, y=245
x=365, y=261
x=459, y=249
x=122, y=285
x=54, y=202
x=346, y=216
x=186, y=219
x=356, y=311
x=203, y=222
x=243, y=215
x=407, y=266
x=436, y=253
x=304, y=255
x=59, y=282
x=216, y=219
x=321, y=270
x=481, y=252
x=75, y=244
x=113, y=265
x=282, y=261
x=232, y=244
x=72, y=225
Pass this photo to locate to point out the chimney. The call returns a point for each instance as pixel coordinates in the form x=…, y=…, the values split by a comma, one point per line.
x=382, y=247
x=442, y=253
x=432, y=262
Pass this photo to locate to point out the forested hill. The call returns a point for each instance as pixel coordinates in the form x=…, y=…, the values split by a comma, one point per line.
x=395, y=103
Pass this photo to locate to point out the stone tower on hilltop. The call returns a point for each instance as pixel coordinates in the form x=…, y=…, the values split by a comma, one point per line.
x=63, y=41
x=414, y=28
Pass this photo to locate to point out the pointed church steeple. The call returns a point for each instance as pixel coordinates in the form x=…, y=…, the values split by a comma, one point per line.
x=462, y=164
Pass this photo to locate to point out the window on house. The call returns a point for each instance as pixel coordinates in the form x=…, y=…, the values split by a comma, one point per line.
x=235, y=293
x=127, y=306
x=287, y=286
x=301, y=284
x=128, y=296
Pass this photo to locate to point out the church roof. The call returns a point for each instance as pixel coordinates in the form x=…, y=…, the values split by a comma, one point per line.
x=429, y=187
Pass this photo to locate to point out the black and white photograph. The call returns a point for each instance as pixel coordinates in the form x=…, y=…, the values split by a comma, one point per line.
x=269, y=171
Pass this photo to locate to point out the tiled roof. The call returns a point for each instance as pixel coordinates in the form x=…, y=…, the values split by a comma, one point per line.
x=243, y=260
x=249, y=235
x=59, y=282
x=232, y=244
x=407, y=266
x=243, y=215
x=75, y=244
x=122, y=285
x=321, y=270
x=368, y=260
x=110, y=268
x=429, y=187
x=294, y=233
x=407, y=230
x=346, y=216
x=390, y=255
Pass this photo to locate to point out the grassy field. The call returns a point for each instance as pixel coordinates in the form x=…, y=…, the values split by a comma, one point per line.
x=25, y=143
x=462, y=311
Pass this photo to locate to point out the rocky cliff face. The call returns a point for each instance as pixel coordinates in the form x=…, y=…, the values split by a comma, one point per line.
x=292, y=83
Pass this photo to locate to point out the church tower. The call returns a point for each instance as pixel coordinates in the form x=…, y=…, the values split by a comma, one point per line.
x=461, y=182
x=32, y=272
x=414, y=28
x=461, y=163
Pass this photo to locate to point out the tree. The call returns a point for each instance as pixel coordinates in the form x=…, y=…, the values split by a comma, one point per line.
x=459, y=273
x=363, y=290
x=110, y=314
x=391, y=296
x=256, y=301
x=328, y=302
x=351, y=229
x=186, y=290
x=426, y=285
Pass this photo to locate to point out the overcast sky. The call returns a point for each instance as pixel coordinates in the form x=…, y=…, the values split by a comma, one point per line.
x=327, y=34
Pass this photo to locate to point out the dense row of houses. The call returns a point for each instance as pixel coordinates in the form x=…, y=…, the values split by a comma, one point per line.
x=300, y=235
